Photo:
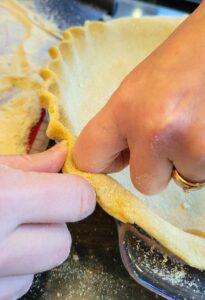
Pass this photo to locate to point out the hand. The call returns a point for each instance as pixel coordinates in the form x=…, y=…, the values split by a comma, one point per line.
x=33, y=210
x=155, y=120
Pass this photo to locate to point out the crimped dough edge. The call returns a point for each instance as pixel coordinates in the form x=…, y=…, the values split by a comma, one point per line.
x=111, y=196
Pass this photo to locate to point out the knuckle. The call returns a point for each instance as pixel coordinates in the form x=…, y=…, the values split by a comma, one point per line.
x=164, y=131
x=164, y=128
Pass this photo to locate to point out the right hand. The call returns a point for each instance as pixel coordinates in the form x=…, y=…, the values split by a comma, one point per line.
x=154, y=121
x=34, y=206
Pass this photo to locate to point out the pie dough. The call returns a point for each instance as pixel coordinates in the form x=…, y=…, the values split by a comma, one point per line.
x=23, y=50
x=84, y=71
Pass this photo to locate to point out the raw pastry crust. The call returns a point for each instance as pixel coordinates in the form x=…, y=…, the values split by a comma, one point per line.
x=112, y=196
x=23, y=50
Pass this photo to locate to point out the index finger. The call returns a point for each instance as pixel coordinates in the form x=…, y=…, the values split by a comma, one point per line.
x=104, y=144
x=31, y=197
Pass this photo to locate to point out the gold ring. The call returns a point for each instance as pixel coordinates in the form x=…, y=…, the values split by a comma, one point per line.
x=185, y=184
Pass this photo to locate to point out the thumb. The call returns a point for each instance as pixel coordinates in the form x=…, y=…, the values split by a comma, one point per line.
x=48, y=161
x=100, y=146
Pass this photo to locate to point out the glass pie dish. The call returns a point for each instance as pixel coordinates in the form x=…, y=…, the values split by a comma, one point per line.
x=152, y=266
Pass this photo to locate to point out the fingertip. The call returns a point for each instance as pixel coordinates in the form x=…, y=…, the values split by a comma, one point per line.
x=88, y=199
x=82, y=197
x=26, y=286
x=64, y=244
x=15, y=286
x=89, y=202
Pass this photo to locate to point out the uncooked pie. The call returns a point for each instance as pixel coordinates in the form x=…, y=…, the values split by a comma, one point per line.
x=85, y=69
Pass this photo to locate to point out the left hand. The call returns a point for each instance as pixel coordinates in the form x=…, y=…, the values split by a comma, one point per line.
x=34, y=206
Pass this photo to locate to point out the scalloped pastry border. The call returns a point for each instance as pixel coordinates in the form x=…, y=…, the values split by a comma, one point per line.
x=112, y=197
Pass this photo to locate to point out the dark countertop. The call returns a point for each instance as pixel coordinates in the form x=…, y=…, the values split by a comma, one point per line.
x=94, y=269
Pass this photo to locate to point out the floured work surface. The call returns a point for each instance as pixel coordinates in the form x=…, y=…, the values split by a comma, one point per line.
x=23, y=50
x=85, y=70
